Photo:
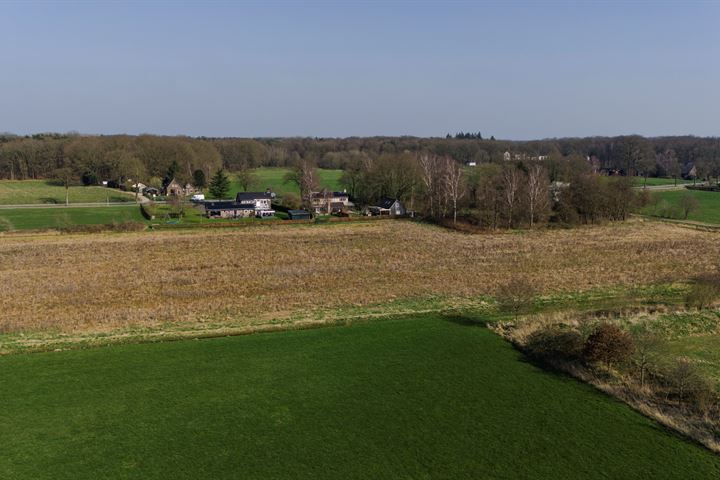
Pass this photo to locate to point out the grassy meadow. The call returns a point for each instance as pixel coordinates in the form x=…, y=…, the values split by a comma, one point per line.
x=693, y=334
x=657, y=181
x=21, y=192
x=420, y=397
x=59, y=217
x=708, y=211
x=274, y=178
x=285, y=273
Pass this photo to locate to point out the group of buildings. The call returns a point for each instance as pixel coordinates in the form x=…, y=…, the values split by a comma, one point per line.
x=260, y=204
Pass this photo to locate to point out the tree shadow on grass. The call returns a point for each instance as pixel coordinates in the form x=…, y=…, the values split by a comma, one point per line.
x=464, y=320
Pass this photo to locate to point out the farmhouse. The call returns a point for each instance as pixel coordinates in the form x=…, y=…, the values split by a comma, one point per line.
x=246, y=204
x=329, y=202
x=173, y=187
x=259, y=200
x=388, y=206
x=228, y=209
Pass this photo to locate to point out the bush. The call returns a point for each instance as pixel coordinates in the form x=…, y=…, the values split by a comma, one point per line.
x=555, y=343
x=688, y=204
x=704, y=292
x=291, y=201
x=608, y=344
x=516, y=296
x=690, y=388
x=6, y=225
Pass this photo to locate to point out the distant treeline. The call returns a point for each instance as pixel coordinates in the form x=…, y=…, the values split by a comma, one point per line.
x=118, y=157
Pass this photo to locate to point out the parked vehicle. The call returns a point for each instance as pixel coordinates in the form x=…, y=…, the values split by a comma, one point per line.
x=265, y=213
x=198, y=197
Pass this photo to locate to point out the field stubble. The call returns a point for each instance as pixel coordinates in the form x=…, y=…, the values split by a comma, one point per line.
x=102, y=283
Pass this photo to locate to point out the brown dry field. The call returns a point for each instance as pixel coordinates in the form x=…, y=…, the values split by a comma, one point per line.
x=88, y=283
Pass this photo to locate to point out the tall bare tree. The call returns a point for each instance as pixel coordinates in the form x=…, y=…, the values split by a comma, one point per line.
x=305, y=176
x=453, y=183
x=511, y=186
x=537, y=190
x=431, y=175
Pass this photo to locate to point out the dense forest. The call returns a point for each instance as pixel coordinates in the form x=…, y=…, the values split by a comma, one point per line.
x=90, y=159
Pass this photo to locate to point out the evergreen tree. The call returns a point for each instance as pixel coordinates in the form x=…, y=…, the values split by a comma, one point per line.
x=172, y=170
x=219, y=185
x=199, y=179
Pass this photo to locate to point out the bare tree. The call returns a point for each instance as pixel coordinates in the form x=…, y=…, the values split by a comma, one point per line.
x=511, y=185
x=430, y=173
x=65, y=176
x=305, y=177
x=646, y=351
x=537, y=190
x=453, y=183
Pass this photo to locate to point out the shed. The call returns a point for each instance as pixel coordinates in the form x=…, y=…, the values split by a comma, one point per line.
x=299, y=215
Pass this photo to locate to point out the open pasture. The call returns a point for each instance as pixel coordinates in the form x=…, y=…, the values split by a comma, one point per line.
x=421, y=397
x=258, y=275
x=59, y=217
x=25, y=192
x=274, y=178
x=708, y=210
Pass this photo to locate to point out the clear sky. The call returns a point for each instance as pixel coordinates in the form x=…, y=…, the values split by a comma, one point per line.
x=514, y=70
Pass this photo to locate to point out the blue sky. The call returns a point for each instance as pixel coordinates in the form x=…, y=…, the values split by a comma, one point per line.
x=515, y=70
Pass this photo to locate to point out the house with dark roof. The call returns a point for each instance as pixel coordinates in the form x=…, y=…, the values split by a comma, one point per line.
x=327, y=202
x=387, y=206
x=260, y=200
x=246, y=204
x=228, y=209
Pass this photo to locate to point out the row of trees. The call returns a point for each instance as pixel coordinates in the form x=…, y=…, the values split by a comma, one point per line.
x=115, y=157
x=508, y=195
x=91, y=159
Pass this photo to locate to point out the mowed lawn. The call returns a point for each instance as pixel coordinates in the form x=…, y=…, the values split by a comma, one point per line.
x=56, y=217
x=421, y=397
x=274, y=178
x=655, y=181
x=21, y=192
x=708, y=202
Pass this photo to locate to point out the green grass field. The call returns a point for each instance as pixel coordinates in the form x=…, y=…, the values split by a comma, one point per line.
x=653, y=181
x=709, y=204
x=691, y=334
x=420, y=397
x=20, y=192
x=47, y=218
x=703, y=349
x=274, y=177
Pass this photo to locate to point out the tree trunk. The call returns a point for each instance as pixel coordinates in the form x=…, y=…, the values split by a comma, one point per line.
x=67, y=195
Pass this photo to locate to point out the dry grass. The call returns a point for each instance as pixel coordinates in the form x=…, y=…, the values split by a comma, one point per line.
x=101, y=283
